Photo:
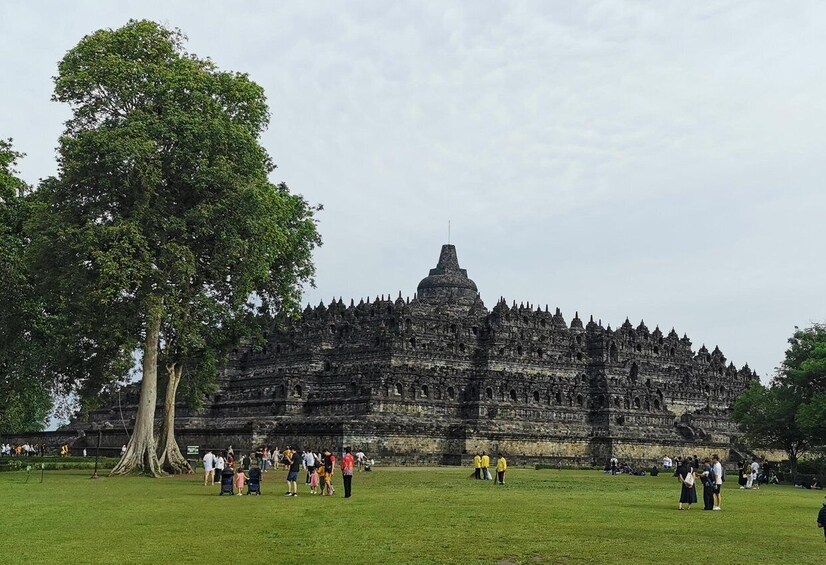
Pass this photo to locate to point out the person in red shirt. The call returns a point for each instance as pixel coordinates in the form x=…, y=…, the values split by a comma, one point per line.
x=347, y=471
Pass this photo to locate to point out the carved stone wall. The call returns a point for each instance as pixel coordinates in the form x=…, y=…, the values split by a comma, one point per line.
x=439, y=377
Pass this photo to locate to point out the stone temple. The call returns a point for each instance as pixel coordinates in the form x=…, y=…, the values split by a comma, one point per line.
x=438, y=377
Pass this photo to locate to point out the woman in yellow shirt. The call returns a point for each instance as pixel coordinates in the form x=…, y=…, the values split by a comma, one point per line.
x=501, y=467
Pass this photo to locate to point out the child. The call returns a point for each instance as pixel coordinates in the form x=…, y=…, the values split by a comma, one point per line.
x=314, y=480
x=821, y=519
x=240, y=479
x=319, y=469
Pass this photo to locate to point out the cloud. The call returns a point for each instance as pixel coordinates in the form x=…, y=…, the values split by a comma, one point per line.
x=662, y=161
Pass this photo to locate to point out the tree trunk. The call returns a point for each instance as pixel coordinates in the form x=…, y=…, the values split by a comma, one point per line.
x=171, y=459
x=793, y=466
x=140, y=451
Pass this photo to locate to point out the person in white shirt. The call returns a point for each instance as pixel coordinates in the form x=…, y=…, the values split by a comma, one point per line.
x=123, y=450
x=667, y=462
x=717, y=467
x=755, y=468
x=220, y=463
x=360, y=459
x=209, y=468
x=308, y=461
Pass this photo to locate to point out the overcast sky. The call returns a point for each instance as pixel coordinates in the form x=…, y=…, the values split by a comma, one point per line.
x=661, y=161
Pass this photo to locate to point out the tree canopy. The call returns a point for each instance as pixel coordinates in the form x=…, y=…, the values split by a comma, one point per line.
x=23, y=388
x=162, y=225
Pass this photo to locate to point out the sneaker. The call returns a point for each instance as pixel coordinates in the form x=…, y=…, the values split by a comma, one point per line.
x=294, y=494
x=288, y=494
x=716, y=508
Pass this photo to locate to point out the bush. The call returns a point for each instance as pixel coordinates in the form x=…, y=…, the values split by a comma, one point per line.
x=55, y=463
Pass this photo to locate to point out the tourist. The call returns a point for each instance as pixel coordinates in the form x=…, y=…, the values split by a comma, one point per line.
x=485, y=465
x=501, y=467
x=717, y=468
x=688, y=492
x=246, y=461
x=309, y=463
x=347, y=472
x=477, y=466
x=821, y=518
x=360, y=460
x=322, y=474
x=209, y=468
x=123, y=450
x=743, y=474
x=707, y=477
x=755, y=469
x=329, y=462
x=294, y=462
x=220, y=464
x=614, y=464
x=666, y=462
x=654, y=471
x=314, y=480
x=240, y=480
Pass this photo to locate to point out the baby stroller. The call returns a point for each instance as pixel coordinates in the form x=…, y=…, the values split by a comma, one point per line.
x=254, y=481
x=226, y=481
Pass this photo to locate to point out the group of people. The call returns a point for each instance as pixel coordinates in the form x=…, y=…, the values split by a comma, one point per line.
x=319, y=468
x=481, y=464
x=22, y=450
x=711, y=476
x=617, y=467
x=749, y=475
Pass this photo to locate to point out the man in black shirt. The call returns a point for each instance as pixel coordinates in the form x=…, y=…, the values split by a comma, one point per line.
x=294, y=462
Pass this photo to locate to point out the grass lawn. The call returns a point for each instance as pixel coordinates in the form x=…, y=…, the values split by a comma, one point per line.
x=403, y=515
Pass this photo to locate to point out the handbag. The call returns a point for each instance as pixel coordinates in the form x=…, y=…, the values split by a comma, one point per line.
x=689, y=480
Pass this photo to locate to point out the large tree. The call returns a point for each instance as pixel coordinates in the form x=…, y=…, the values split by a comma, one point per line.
x=789, y=414
x=162, y=210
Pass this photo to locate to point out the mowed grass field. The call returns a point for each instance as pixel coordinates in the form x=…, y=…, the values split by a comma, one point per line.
x=402, y=515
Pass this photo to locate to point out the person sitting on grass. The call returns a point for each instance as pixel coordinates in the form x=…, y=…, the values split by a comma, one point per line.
x=240, y=481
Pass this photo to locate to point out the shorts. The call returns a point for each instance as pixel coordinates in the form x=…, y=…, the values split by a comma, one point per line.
x=292, y=476
x=717, y=489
